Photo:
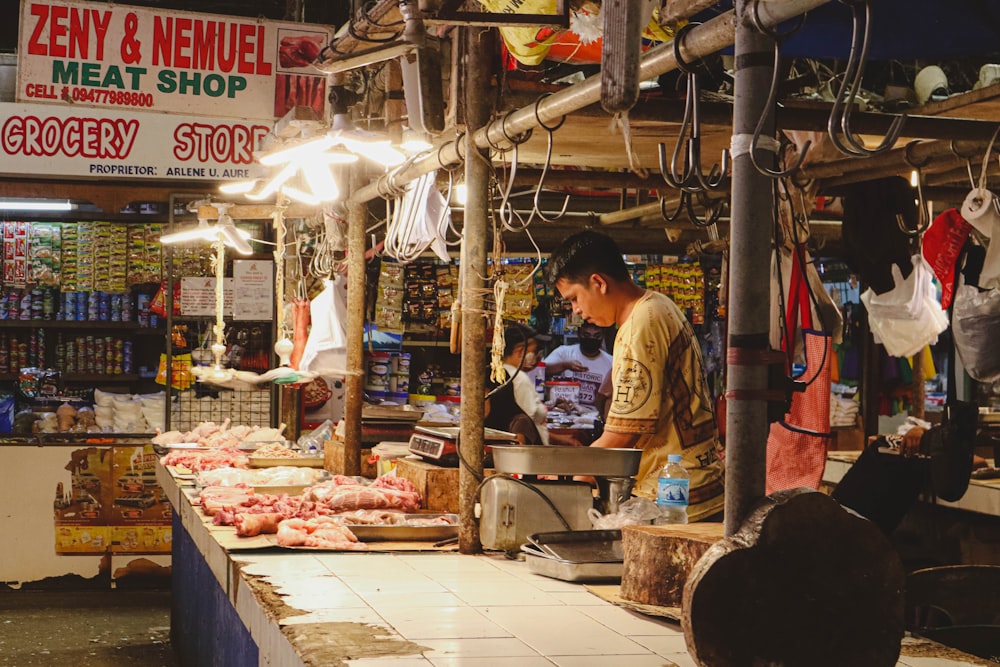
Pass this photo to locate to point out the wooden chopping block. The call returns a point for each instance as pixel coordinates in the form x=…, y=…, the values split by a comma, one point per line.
x=658, y=559
x=333, y=459
x=803, y=582
x=438, y=485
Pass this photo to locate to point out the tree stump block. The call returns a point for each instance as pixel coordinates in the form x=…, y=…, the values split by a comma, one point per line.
x=803, y=583
x=658, y=559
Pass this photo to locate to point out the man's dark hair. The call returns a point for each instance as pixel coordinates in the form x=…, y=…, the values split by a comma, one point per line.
x=584, y=254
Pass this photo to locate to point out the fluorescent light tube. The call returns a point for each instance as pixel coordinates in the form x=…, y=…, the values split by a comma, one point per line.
x=37, y=205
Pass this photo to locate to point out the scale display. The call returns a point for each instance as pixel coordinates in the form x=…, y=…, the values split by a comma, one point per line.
x=440, y=444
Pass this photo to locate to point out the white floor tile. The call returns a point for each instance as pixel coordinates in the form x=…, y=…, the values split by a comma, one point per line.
x=578, y=598
x=510, y=596
x=491, y=662
x=446, y=563
x=664, y=644
x=628, y=622
x=560, y=630
x=364, y=615
x=416, y=623
x=644, y=660
x=414, y=584
x=392, y=599
x=499, y=647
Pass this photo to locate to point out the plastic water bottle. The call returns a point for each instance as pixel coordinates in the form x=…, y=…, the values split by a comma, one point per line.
x=672, y=491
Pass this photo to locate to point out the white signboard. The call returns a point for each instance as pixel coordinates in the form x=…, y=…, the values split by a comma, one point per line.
x=253, y=298
x=40, y=139
x=198, y=296
x=95, y=54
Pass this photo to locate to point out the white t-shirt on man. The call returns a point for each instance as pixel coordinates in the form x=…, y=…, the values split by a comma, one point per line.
x=590, y=380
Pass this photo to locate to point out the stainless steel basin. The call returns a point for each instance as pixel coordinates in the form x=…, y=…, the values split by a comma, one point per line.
x=558, y=460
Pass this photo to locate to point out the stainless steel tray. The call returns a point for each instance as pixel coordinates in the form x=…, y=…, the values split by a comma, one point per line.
x=301, y=462
x=566, y=570
x=581, y=546
x=559, y=460
x=407, y=533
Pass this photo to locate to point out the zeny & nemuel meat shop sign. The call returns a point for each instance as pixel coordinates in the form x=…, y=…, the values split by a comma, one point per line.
x=121, y=91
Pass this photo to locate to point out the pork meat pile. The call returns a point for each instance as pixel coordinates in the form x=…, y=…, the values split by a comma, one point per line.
x=319, y=533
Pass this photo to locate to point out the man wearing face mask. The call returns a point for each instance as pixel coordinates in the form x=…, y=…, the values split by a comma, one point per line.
x=515, y=406
x=584, y=362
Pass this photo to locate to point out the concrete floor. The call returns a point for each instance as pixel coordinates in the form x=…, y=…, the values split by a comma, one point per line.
x=107, y=628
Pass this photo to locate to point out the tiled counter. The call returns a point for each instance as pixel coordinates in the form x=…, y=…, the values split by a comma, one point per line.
x=400, y=609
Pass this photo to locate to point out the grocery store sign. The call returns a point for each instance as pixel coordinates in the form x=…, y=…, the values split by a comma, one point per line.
x=125, y=57
x=43, y=140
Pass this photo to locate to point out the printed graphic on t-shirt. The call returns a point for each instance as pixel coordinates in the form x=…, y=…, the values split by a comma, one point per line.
x=632, y=387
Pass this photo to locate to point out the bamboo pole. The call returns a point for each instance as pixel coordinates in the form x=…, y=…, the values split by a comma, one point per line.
x=478, y=61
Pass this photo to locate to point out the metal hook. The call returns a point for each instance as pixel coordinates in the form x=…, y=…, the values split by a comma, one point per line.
x=550, y=130
x=840, y=114
x=694, y=179
x=713, y=209
x=923, y=214
x=772, y=96
x=672, y=178
x=677, y=211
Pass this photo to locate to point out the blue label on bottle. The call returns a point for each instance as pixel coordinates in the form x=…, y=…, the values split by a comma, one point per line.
x=672, y=492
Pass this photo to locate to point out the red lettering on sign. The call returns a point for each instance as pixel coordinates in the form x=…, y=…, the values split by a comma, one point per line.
x=182, y=43
x=218, y=46
x=204, y=44
x=219, y=143
x=36, y=46
x=95, y=138
x=70, y=30
x=57, y=30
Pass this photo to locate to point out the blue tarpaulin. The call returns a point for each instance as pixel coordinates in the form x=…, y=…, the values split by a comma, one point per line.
x=901, y=30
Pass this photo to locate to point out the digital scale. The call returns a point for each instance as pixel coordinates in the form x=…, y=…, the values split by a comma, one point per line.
x=440, y=443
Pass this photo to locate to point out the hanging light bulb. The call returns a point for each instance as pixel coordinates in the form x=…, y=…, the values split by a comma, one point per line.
x=233, y=237
x=238, y=187
x=297, y=151
x=369, y=145
x=201, y=232
x=276, y=182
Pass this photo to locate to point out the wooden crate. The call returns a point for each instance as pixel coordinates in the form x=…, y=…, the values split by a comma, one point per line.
x=438, y=486
x=333, y=459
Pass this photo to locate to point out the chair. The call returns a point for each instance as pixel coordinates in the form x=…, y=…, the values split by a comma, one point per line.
x=956, y=605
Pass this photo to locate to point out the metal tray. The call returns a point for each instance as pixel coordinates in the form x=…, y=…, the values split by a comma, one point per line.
x=581, y=546
x=565, y=570
x=404, y=533
x=560, y=460
x=303, y=462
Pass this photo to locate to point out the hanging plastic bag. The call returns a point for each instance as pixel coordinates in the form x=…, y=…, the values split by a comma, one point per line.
x=975, y=324
x=891, y=315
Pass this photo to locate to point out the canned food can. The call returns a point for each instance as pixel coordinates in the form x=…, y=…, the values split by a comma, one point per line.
x=378, y=365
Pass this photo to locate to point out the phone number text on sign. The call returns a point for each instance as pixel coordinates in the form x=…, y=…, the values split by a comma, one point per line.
x=124, y=98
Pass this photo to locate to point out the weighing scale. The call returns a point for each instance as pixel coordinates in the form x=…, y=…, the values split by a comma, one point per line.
x=439, y=444
x=534, y=490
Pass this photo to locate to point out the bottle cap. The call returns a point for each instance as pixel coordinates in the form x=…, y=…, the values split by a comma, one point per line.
x=674, y=458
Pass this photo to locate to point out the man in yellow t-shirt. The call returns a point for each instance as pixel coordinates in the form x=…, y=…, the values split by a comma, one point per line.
x=660, y=401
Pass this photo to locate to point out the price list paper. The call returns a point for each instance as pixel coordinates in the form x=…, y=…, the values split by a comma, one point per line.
x=253, y=298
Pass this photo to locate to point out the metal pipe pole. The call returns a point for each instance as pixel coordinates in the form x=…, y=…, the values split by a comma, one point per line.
x=750, y=233
x=477, y=70
x=357, y=216
x=713, y=35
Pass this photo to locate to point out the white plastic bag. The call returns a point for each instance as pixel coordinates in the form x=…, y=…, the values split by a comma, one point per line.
x=890, y=318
